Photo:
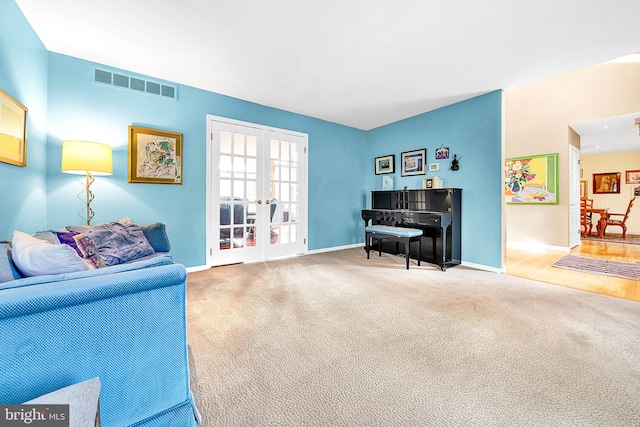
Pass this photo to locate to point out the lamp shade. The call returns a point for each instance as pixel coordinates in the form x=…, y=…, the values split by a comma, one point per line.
x=80, y=157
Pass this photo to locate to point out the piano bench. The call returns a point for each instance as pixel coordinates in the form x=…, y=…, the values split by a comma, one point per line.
x=398, y=234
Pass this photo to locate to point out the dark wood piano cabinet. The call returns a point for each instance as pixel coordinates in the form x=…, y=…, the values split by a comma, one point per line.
x=437, y=212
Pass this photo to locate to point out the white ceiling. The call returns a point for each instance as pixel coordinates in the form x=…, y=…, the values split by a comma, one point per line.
x=361, y=63
x=609, y=134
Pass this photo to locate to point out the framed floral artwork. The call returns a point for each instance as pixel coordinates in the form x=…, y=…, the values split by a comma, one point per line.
x=155, y=156
x=531, y=179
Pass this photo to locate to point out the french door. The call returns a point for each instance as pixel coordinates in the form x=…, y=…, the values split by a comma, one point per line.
x=256, y=192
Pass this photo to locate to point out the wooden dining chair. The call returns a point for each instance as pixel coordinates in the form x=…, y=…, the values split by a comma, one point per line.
x=585, y=217
x=620, y=219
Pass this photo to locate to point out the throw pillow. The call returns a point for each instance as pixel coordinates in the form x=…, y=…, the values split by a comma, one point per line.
x=118, y=241
x=67, y=238
x=88, y=250
x=7, y=268
x=35, y=257
x=156, y=234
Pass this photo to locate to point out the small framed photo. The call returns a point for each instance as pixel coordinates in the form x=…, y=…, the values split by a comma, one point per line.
x=583, y=188
x=427, y=183
x=385, y=164
x=413, y=162
x=442, y=153
x=632, y=177
x=155, y=156
x=433, y=167
x=13, y=131
x=606, y=183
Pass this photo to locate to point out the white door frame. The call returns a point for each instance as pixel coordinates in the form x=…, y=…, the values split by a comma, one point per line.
x=574, y=197
x=213, y=215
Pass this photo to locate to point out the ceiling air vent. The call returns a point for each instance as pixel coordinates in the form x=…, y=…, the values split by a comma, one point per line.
x=134, y=84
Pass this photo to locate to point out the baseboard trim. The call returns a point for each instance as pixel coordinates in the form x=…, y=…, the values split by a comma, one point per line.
x=483, y=267
x=536, y=247
x=361, y=245
x=197, y=268
x=335, y=248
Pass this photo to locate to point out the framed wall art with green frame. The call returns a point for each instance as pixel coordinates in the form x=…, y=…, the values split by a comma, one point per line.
x=531, y=179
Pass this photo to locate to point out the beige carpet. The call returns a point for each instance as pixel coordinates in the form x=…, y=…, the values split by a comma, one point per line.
x=335, y=339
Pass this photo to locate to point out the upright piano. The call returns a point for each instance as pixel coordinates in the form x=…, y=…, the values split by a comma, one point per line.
x=437, y=212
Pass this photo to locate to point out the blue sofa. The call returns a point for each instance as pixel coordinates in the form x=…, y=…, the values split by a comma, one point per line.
x=125, y=324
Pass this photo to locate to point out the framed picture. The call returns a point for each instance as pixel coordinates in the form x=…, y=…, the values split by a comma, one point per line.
x=632, y=177
x=442, y=153
x=385, y=164
x=427, y=183
x=434, y=167
x=413, y=162
x=155, y=156
x=606, y=183
x=13, y=131
x=583, y=188
x=531, y=179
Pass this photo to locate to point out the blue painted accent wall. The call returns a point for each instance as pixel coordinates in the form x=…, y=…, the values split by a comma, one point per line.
x=23, y=75
x=64, y=103
x=82, y=109
x=471, y=129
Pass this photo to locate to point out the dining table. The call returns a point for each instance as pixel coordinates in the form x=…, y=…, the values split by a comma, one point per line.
x=602, y=221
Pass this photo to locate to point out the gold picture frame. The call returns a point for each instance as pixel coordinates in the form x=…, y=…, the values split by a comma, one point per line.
x=13, y=131
x=155, y=156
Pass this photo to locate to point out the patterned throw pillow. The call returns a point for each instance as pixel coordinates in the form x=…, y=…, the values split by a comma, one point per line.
x=88, y=250
x=117, y=242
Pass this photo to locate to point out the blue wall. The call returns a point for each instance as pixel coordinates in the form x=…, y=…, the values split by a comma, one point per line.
x=64, y=103
x=23, y=75
x=82, y=109
x=472, y=130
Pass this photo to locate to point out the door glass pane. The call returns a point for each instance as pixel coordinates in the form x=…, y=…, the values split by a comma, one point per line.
x=238, y=190
x=225, y=142
x=284, y=151
x=294, y=151
x=284, y=234
x=294, y=192
x=284, y=172
x=252, y=168
x=252, y=188
x=225, y=188
x=275, y=149
x=294, y=172
x=238, y=167
x=293, y=213
x=225, y=166
x=251, y=146
x=284, y=192
x=238, y=144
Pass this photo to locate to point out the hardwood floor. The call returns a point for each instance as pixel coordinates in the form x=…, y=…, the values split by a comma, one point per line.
x=537, y=266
